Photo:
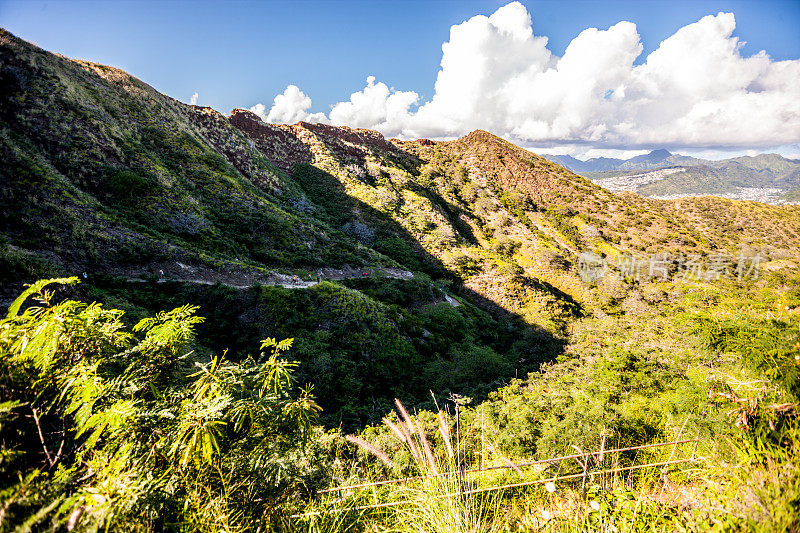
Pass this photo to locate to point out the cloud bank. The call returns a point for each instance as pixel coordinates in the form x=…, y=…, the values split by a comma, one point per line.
x=695, y=90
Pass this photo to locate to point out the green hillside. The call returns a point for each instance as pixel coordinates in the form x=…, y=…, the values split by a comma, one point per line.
x=438, y=273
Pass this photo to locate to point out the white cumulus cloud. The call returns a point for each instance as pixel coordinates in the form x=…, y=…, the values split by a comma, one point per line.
x=376, y=107
x=695, y=90
x=288, y=108
x=193, y=99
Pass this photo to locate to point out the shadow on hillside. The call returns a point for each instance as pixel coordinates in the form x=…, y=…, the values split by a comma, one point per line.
x=360, y=355
x=530, y=345
x=357, y=362
x=452, y=212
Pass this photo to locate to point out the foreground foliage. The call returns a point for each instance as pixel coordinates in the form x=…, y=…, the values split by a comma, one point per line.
x=108, y=428
x=714, y=361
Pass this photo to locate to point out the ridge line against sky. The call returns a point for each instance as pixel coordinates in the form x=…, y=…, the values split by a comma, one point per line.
x=571, y=78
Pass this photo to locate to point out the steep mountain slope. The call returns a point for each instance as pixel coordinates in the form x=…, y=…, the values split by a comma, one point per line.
x=105, y=175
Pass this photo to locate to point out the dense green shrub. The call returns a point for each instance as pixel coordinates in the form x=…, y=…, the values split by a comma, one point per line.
x=126, y=184
x=767, y=346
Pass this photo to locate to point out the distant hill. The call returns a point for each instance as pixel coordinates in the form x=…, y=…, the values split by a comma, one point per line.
x=602, y=164
x=768, y=178
x=596, y=164
x=656, y=157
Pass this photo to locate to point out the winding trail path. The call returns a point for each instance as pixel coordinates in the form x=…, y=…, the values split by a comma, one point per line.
x=290, y=285
x=245, y=280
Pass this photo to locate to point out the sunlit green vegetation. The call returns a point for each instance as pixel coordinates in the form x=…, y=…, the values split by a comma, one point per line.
x=103, y=423
x=715, y=362
x=360, y=342
x=130, y=429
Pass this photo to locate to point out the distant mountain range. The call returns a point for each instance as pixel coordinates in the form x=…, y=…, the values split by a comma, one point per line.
x=768, y=178
x=603, y=164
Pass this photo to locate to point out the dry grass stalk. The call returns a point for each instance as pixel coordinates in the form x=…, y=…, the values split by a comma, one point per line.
x=407, y=427
x=444, y=430
x=408, y=431
x=505, y=459
x=396, y=430
x=581, y=455
x=374, y=450
x=427, y=448
x=403, y=413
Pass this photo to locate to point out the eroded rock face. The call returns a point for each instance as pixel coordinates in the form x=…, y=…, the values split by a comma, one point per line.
x=425, y=142
x=279, y=143
x=304, y=142
x=350, y=136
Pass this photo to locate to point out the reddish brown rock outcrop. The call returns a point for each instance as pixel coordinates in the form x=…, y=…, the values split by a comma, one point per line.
x=279, y=143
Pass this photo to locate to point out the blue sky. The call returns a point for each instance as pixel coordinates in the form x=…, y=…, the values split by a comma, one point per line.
x=240, y=53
